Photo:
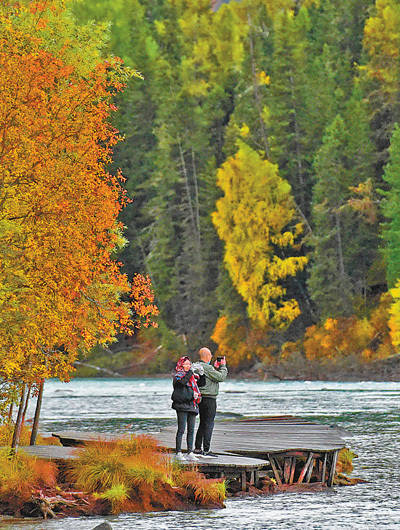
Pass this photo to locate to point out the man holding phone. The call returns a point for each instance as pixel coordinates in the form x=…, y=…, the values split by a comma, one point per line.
x=214, y=374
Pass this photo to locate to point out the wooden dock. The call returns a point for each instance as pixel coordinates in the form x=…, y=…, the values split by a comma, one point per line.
x=294, y=450
x=298, y=451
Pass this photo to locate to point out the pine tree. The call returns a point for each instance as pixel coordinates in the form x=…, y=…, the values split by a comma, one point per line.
x=391, y=210
x=287, y=103
x=344, y=246
x=382, y=72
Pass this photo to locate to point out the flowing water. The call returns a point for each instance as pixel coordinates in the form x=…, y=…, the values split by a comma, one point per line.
x=370, y=410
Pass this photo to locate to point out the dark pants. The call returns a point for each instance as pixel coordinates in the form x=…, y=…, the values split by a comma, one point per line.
x=184, y=418
x=207, y=409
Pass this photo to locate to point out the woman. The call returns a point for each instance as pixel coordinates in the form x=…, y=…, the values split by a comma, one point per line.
x=185, y=399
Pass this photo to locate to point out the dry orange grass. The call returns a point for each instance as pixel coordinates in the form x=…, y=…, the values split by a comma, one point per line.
x=20, y=474
x=135, y=475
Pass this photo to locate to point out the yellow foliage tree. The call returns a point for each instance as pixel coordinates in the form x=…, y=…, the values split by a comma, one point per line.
x=382, y=42
x=394, y=320
x=256, y=220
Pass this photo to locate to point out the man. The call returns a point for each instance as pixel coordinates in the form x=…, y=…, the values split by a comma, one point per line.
x=208, y=404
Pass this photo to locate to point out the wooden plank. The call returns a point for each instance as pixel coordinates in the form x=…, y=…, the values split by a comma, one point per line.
x=310, y=470
x=51, y=452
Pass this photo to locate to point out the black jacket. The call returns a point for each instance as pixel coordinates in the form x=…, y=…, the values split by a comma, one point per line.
x=183, y=396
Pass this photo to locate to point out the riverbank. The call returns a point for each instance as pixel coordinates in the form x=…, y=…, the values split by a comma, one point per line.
x=127, y=475
x=297, y=368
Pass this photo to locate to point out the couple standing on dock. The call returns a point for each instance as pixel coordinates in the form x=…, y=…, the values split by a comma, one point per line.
x=196, y=388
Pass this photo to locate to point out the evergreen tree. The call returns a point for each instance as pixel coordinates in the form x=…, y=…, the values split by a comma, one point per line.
x=287, y=103
x=391, y=210
x=344, y=246
x=382, y=72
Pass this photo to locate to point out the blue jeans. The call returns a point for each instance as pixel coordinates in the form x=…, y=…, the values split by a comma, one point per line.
x=189, y=419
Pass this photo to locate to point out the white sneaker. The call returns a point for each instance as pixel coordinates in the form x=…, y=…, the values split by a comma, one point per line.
x=190, y=456
x=179, y=456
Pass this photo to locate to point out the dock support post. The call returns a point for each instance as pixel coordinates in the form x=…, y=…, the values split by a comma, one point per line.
x=323, y=473
x=305, y=468
x=244, y=480
x=310, y=469
x=275, y=470
x=333, y=469
x=292, y=470
x=286, y=470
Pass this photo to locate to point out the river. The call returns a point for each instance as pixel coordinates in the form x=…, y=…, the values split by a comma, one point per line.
x=370, y=410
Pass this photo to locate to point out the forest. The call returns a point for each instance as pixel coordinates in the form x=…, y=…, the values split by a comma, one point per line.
x=262, y=154
x=259, y=147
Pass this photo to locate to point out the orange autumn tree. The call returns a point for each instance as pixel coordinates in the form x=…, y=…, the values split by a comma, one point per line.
x=61, y=290
x=362, y=338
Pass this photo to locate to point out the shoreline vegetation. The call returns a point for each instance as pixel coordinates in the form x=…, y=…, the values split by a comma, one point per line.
x=129, y=475
x=125, y=476
x=297, y=369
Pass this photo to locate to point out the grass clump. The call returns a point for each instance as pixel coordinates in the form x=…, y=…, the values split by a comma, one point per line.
x=135, y=475
x=345, y=461
x=204, y=491
x=117, y=496
x=20, y=474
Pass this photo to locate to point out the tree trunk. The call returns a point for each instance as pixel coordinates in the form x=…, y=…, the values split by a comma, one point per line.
x=26, y=403
x=35, y=425
x=18, y=422
x=10, y=412
x=257, y=97
x=340, y=248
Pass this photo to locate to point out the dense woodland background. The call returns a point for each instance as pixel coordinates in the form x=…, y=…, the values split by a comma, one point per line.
x=262, y=154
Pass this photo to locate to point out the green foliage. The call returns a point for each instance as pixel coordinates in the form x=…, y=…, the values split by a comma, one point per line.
x=117, y=495
x=309, y=84
x=344, y=245
x=391, y=210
